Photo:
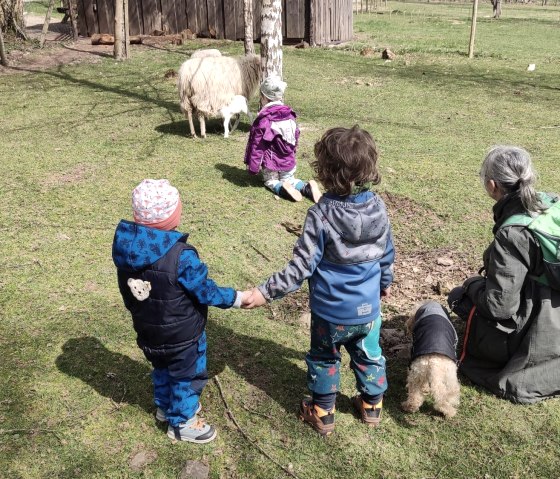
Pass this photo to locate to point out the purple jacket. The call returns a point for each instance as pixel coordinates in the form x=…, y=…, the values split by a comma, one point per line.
x=272, y=140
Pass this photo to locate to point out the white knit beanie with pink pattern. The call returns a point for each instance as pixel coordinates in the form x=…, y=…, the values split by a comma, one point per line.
x=157, y=204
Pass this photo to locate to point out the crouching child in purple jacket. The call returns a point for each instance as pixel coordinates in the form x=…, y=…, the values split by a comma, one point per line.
x=272, y=146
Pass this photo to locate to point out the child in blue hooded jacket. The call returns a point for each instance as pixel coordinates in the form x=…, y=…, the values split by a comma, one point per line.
x=166, y=288
x=346, y=253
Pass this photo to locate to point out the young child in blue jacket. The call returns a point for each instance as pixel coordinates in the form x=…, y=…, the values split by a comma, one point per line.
x=166, y=288
x=346, y=253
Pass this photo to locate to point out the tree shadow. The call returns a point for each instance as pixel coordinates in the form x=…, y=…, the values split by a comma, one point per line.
x=214, y=126
x=264, y=363
x=112, y=375
x=239, y=176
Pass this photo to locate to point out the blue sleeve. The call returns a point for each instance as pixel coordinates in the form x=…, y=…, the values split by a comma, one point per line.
x=386, y=263
x=193, y=276
x=307, y=254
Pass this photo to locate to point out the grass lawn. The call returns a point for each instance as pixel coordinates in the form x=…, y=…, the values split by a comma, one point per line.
x=75, y=394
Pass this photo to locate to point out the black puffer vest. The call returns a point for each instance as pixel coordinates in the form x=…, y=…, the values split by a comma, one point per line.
x=169, y=319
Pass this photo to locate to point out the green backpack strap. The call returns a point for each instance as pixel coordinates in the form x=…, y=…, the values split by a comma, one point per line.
x=546, y=229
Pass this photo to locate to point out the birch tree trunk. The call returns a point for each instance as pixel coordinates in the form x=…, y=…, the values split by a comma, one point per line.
x=248, y=18
x=3, y=59
x=271, y=38
x=120, y=51
x=473, y=28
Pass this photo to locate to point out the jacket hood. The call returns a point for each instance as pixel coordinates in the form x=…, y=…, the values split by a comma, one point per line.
x=358, y=219
x=277, y=113
x=135, y=246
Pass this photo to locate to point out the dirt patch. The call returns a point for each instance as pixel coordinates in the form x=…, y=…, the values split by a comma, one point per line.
x=76, y=174
x=58, y=50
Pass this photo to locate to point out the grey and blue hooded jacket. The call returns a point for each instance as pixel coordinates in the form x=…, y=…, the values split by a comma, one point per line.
x=174, y=314
x=346, y=252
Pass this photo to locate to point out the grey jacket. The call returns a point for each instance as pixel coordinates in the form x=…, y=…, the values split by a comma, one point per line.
x=346, y=253
x=513, y=345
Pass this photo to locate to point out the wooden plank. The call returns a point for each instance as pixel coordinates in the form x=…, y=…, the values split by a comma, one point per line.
x=82, y=22
x=257, y=8
x=192, y=17
x=211, y=15
x=240, y=24
x=168, y=18
x=106, y=16
x=220, y=18
x=151, y=16
x=229, y=20
x=181, y=15
x=202, y=16
x=135, y=23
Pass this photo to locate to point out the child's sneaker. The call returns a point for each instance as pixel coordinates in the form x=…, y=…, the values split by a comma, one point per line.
x=311, y=191
x=288, y=192
x=370, y=414
x=194, y=430
x=322, y=421
x=160, y=413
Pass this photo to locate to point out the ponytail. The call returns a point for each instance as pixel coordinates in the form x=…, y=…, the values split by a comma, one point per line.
x=511, y=168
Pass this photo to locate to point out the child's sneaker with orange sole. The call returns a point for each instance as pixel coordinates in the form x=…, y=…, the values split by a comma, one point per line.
x=369, y=414
x=319, y=419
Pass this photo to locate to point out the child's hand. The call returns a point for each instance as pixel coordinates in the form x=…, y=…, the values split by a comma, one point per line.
x=386, y=293
x=245, y=297
x=255, y=299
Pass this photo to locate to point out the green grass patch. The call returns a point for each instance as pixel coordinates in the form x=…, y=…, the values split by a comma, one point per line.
x=75, y=395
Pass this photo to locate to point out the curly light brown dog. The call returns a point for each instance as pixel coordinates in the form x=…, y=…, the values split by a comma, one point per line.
x=433, y=367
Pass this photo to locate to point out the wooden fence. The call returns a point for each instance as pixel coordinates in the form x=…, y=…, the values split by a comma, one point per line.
x=220, y=18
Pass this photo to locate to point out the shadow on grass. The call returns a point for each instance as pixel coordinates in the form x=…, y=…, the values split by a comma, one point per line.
x=263, y=363
x=266, y=364
x=239, y=176
x=112, y=375
x=214, y=126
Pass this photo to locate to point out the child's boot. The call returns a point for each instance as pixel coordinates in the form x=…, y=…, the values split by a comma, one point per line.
x=194, y=430
x=322, y=421
x=369, y=413
x=311, y=191
x=289, y=192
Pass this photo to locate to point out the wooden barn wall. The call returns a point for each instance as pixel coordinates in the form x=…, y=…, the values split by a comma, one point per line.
x=333, y=18
x=333, y=21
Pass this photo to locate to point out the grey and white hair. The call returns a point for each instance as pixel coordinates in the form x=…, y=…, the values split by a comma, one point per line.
x=512, y=170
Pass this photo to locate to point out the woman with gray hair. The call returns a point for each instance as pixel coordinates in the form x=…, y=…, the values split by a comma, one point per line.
x=512, y=338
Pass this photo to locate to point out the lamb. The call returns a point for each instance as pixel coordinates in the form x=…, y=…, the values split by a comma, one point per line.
x=208, y=84
x=207, y=52
x=237, y=105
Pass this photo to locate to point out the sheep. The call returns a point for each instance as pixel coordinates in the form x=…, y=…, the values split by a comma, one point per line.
x=237, y=105
x=208, y=84
x=207, y=52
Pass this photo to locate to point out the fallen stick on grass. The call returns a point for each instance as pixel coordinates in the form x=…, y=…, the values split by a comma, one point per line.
x=244, y=434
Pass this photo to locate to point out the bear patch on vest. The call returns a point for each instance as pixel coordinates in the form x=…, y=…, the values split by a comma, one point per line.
x=140, y=289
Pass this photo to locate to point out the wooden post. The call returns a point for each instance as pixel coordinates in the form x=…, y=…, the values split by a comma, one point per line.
x=312, y=40
x=473, y=28
x=46, y=24
x=3, y=59
x=72, y=14
x=248, y=21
